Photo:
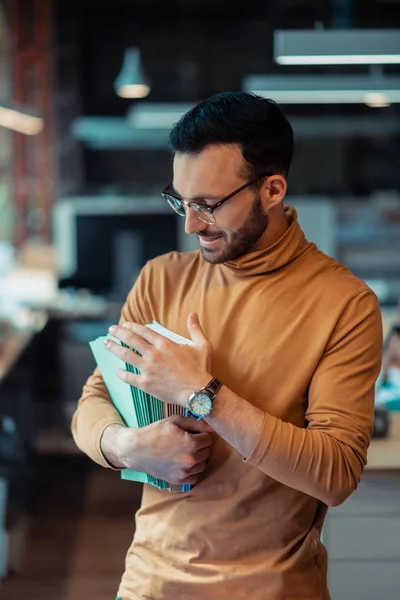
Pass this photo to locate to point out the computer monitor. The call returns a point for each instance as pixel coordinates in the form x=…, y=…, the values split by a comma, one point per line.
x=102, y=243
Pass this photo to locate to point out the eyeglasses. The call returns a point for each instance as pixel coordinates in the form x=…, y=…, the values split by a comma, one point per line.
x=204, y=212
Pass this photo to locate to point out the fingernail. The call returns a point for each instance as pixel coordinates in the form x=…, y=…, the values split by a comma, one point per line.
x=126, y=325
x=112, y=329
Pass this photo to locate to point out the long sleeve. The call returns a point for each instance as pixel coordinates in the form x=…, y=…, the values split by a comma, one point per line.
x=326, y=459
x=95, y=410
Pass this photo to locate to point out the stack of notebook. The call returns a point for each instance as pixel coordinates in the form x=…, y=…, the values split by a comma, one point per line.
x=136, y=407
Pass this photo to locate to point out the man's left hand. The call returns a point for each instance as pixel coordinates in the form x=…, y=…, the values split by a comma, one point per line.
x=168, y=371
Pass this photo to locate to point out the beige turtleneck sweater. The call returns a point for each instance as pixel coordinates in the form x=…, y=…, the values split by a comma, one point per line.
x=298, y=336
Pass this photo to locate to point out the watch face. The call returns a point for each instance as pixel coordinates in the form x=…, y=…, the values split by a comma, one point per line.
x=200, y=404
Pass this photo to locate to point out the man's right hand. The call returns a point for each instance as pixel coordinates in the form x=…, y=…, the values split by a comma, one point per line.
x=174, y=449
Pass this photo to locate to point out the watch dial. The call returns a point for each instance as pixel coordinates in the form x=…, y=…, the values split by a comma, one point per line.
x=201, y=404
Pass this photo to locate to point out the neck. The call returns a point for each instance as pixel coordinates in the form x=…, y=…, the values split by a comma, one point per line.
x=277, y=226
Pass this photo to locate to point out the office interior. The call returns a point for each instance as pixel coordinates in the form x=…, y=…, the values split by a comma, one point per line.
x=89, y=93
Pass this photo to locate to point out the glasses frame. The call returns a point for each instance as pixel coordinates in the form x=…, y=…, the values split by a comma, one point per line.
x=210, y=209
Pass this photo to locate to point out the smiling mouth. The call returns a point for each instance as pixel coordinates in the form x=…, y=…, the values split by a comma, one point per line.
x=209, y=241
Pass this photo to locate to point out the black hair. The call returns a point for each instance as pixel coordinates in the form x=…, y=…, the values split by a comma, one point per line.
x=257, y=124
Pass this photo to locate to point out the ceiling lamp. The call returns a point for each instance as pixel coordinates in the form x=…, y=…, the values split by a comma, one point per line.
x=337, y=47
x=326, y=89
x=20, y=121
x=132, y=81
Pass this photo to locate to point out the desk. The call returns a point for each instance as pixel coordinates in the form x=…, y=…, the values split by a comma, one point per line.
x=14, y=345
x=16, y=341
x=384, y=454
x=51, y=405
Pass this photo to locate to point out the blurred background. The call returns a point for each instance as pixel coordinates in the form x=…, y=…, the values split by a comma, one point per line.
x=88, y=93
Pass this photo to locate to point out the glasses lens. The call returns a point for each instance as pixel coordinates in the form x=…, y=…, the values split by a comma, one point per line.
x=175, y=204
x=205, y=216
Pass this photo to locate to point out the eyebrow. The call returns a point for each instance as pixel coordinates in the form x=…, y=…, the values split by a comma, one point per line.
x=199, y=197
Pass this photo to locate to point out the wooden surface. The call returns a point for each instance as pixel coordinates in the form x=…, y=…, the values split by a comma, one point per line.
x=384, y=454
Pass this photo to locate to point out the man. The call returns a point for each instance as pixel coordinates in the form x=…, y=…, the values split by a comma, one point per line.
x=290, y=343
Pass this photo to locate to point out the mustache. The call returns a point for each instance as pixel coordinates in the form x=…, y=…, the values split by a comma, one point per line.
x=211, y=235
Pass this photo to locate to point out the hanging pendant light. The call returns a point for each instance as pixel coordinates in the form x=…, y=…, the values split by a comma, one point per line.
x=132, y=81
x=20, y=119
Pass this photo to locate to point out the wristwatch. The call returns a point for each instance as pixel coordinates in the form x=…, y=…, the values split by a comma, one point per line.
x=200, y=403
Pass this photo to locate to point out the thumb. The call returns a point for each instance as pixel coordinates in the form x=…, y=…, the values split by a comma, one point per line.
x=195, y=329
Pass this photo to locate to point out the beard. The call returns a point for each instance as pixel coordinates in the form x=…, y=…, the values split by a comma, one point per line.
x=243, y=239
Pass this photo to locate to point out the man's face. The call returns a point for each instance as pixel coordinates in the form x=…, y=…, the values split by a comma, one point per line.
x=207, y=178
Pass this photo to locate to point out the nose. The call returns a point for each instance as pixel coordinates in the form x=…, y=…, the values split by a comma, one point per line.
x=192, y=222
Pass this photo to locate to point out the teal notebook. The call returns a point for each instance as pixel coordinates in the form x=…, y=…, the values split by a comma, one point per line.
x=137, y=408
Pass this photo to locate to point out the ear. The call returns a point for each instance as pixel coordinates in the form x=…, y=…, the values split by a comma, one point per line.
x=275, y=190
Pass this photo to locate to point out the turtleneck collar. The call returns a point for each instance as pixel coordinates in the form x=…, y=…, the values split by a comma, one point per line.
x=291, y=245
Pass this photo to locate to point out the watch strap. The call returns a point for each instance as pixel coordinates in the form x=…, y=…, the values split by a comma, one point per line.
x=213, y=387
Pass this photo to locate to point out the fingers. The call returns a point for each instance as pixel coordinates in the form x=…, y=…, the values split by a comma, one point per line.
x=130, y=338
x=203, y=454
x=130, y=378
x=196, y=331
x=189, y=473
x=145, y=333
x=198, y=468
x=192, y=479
x=125, y=354
x=201, y=440
x=191, y=425
x=193, y=321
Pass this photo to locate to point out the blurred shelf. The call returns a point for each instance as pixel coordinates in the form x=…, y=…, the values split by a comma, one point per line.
x=384, y=454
